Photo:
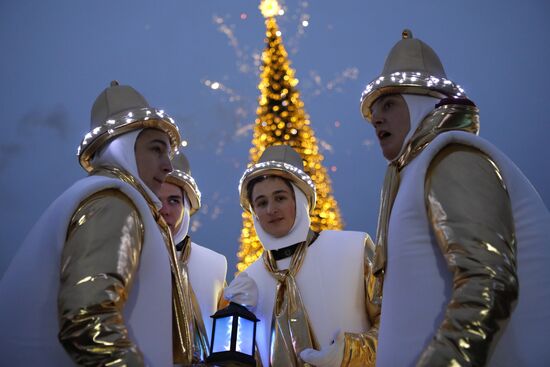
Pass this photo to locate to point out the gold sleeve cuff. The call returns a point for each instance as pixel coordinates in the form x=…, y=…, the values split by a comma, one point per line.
x=470, y=212
x=98, y=265
x=360, y=349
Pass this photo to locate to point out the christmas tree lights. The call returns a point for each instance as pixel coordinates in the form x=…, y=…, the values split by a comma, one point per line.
x=281, y=119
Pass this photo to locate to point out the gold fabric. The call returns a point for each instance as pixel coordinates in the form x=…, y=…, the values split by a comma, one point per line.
x=82, y=328
x=181, y=349
x=291, y=332
x=470, y=212
x=182, y=345
x=360, y=348
x=98, y=266
x=194, y=331
x=222, y=302
x=444, y=118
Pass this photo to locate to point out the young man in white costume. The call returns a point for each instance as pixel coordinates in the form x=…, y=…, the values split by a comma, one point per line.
x=92, y=283
x=462, y=257
x=308, y=289
x=202, y=270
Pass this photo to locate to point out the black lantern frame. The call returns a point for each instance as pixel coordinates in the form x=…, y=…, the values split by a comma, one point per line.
x=232, y=357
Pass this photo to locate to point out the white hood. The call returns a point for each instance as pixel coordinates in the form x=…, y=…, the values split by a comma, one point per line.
x=184, y=226
x=120, y=153
x=299, y=230
x=419, y=106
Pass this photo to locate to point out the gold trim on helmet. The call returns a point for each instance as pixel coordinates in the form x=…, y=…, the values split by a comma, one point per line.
x=280, y=169
x=188, y=185
x=122, y=123
x=408, y=82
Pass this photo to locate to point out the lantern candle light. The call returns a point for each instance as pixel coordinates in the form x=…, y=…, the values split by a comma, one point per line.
x=233, y=337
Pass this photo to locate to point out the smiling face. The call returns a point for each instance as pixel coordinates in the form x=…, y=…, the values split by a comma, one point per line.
x=274, y=204
x=172, y=209
x=152, y=150
x=391, y=120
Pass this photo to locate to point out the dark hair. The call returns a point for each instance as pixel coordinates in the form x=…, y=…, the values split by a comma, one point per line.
x=254, y=181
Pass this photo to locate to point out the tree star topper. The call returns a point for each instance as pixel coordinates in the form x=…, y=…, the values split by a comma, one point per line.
x=269, y=8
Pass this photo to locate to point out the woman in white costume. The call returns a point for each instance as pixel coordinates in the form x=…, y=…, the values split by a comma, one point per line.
x=311, y=296
x=202, y=270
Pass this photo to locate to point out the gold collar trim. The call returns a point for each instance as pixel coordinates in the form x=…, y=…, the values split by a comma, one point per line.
x=445, y=118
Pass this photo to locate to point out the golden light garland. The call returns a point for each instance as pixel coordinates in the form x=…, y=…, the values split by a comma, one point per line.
x=281, y=119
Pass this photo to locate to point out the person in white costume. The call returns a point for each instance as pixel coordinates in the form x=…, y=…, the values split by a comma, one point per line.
x=92, y=282
x=463, y=244
x=203, y=270
x=308, y=289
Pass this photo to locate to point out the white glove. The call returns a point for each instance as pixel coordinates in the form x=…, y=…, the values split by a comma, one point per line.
x=243, y=291
x=330, y=356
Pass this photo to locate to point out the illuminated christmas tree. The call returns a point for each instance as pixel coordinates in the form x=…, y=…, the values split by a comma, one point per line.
x=281, y=119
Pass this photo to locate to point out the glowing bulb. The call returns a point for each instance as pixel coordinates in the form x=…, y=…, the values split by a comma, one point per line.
x=270, y=8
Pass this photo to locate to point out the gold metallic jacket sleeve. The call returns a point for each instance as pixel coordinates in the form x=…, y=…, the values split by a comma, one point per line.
x=360, y=349
x=98, y=266
x=470, y=212
x=222, y=302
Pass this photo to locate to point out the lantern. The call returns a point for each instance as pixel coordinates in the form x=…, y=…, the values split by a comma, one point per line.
x=233, y=337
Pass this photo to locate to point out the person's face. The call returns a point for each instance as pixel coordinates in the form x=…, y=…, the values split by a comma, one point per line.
x=274, y=205
x=391, y=121
x=152, y=150
x=172, y=209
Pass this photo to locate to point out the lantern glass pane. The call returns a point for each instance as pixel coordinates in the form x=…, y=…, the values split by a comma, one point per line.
x=245, y=336
x=222, y=335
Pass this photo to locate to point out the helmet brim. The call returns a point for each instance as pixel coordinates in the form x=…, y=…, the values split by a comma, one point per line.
x=125, y=122
x=279, y=169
